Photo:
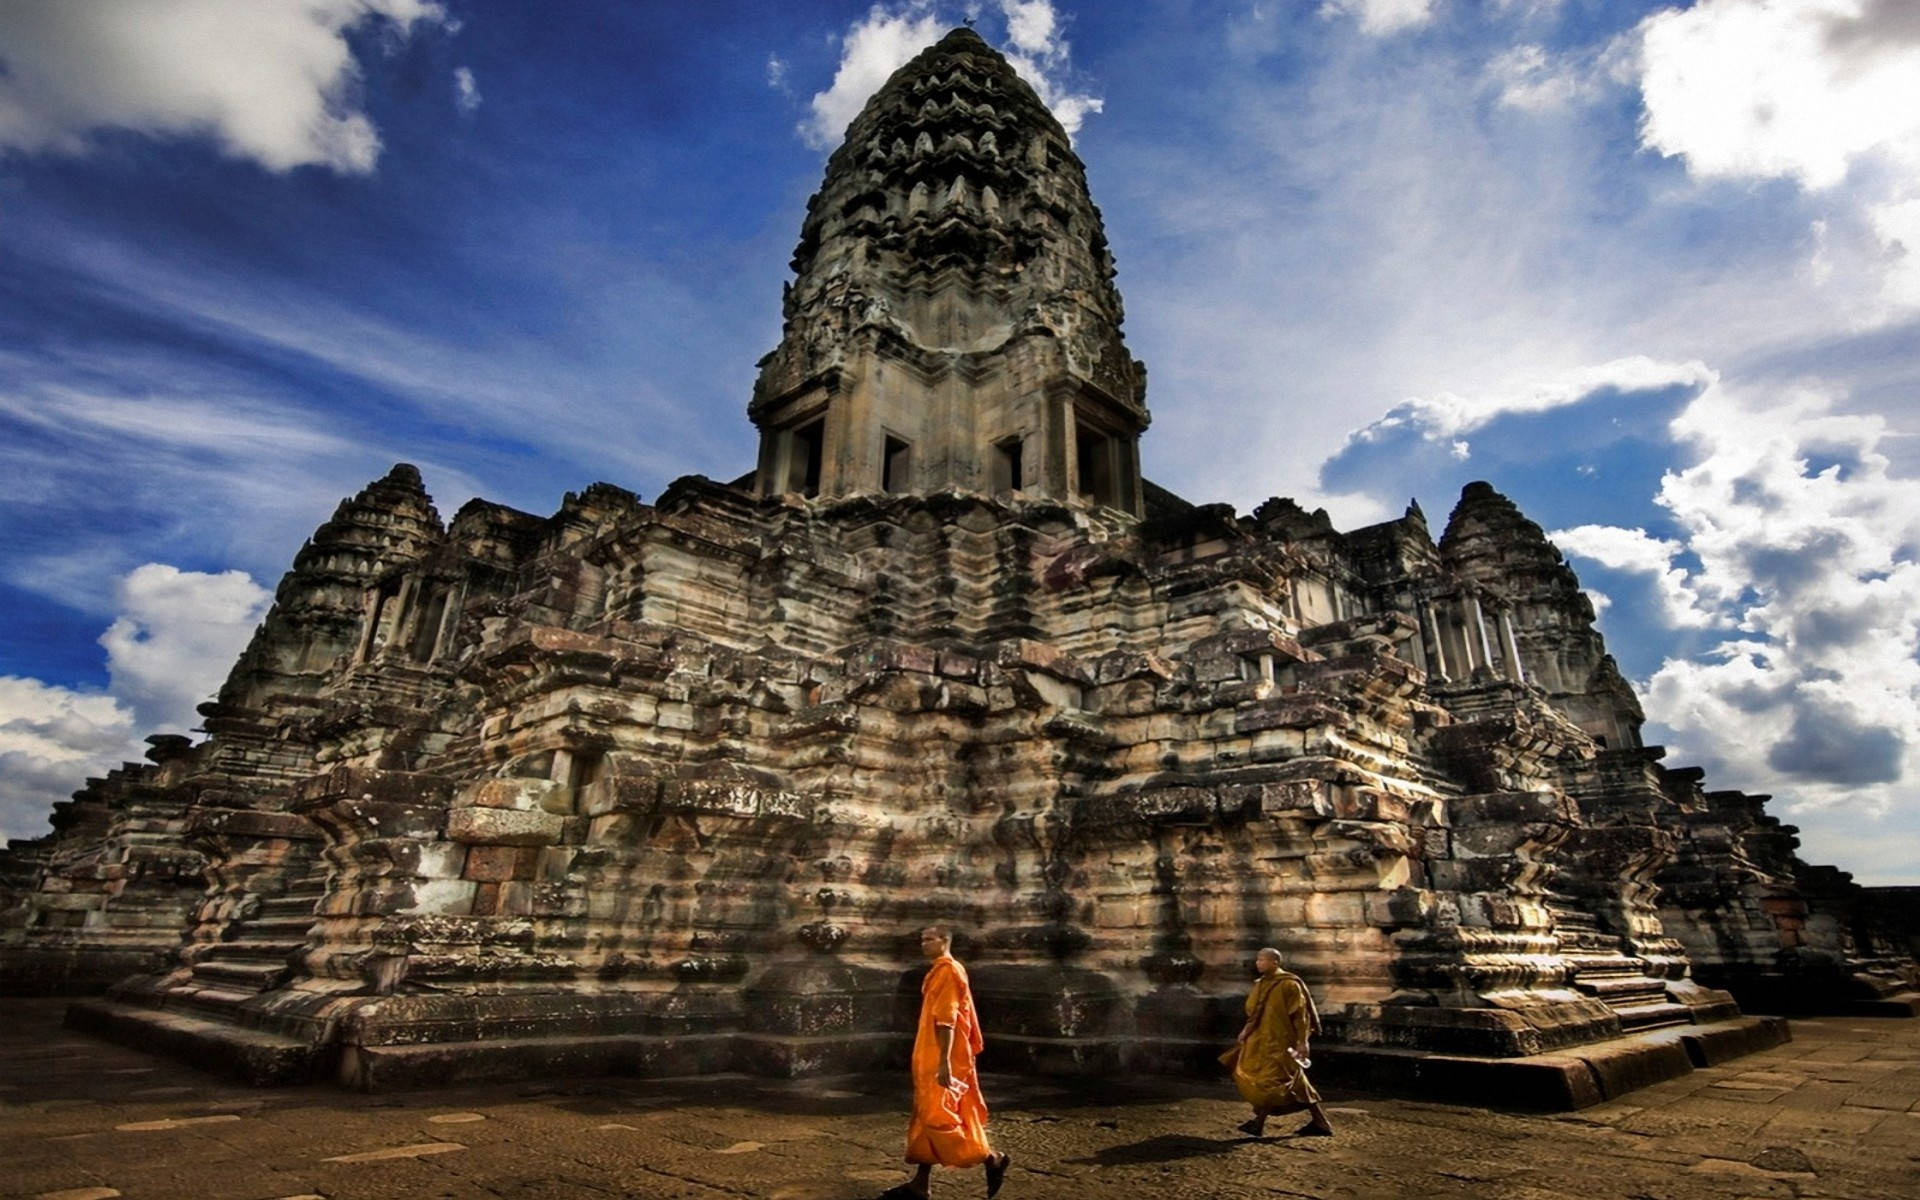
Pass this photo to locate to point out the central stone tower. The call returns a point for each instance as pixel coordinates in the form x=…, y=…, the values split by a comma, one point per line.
x=954, y=323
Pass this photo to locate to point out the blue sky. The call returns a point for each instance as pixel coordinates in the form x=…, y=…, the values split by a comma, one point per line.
x=1652, y=269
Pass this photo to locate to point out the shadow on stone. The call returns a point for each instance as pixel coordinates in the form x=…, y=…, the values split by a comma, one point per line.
x=1167, y=1147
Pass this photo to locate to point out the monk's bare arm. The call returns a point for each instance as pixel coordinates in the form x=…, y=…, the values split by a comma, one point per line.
x=944, y=1033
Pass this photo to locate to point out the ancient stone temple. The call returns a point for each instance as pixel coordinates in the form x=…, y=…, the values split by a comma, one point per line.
x=670, y=787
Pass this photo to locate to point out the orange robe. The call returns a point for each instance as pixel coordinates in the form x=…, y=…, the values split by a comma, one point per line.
x=1267, y=1076
x=949, y=1125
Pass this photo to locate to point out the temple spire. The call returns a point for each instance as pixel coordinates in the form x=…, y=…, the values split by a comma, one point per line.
x=953, y=321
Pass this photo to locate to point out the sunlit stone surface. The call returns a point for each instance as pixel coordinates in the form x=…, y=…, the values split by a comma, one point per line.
x=669, y=788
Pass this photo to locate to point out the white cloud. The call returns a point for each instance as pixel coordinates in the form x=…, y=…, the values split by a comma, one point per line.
x=272, y=82
x=1807, y=541
x=1446, y=416
x=1811, y=91
x=1382, y=17
x=878, y=45
x=1637, y=552
x=466, y=92
x=1898, y=227
x=1030, y=25
x=1041, y=54
x=1778, y=89
x=177, y=635
x=1530, y=80
x=888, y=37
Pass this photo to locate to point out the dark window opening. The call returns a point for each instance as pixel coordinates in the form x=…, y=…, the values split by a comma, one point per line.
x=804, y=455
x=1095, y=452
x=385, y=602
x=586, y=769
x=426, y=639
x=1008, y=472
x=895, y=466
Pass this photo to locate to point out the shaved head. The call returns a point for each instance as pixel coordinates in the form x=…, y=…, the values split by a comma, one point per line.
x=935, y=940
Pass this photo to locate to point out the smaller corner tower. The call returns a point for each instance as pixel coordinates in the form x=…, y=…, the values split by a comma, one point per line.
x=953, y=322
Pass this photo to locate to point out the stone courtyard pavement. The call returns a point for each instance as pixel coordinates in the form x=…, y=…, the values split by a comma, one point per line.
x=1834, y=1113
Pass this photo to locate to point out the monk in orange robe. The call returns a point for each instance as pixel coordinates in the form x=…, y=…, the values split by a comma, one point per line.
x=1271, y=1067
x=949, y=1125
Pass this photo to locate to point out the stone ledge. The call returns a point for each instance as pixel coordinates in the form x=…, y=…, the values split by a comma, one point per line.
x=394, y=1068
x=250, y=1055
x=1711, y=1045
x=1901, y=1004
x=76, y=970
x=1574, y=1078
x=791, y=1057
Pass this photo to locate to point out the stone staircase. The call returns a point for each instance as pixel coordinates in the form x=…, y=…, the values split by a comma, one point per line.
x=1604, y=970
x=255, y=958
x=222, y=1010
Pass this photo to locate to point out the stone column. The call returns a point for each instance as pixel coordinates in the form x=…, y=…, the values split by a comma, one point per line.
x=1479, y=631
x=1474, y=662
x=1430, y=629
x=1511, y=648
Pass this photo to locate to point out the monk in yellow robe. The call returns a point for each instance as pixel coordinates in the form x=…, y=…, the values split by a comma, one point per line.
x=949, y=1125
x=1271, y=1067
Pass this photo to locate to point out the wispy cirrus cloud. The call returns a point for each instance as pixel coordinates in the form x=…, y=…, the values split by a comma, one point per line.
x=1380, y=18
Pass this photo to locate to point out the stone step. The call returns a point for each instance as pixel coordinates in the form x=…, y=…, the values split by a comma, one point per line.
x=1615, y=987
x=277, y=928
x=206, y=1002
x=1564, y=1079
x=1570, y=915
x=253, y=950
x=251, y=1054
x=1615, y=963
x=252, y=976
x=294, y=905
x=1637, y=1017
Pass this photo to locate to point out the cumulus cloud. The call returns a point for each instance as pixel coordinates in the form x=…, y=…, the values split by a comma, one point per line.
x=1041, y=55
x=269, y=82
x=177, y=635
x=1382, y=17
x=1806, y=545
x=884, y=40
x=1775, y=562
x=878, y=45
x=1792, y=90
x=1636, y=552
x=1030, y=25
x=1809, y=91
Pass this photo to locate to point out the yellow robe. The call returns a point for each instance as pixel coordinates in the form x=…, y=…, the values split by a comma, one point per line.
x=949, y=1125
x=1267, y=1076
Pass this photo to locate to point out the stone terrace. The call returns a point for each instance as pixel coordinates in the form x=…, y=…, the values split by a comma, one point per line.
x=1834, y=1113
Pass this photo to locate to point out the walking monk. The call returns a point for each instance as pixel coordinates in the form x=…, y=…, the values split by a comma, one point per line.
x=1271, y=1069
x=949, y=1125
